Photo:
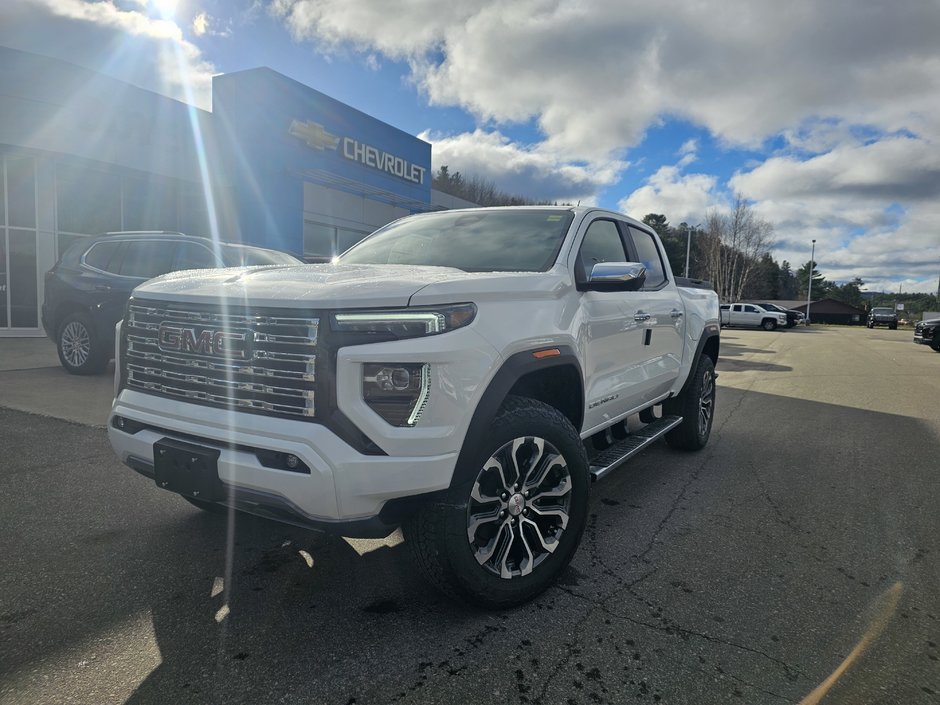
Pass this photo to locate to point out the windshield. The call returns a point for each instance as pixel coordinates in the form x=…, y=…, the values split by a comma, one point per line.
x=525, y=240
x=241, y=256
x=883, y=311
x=771, y=307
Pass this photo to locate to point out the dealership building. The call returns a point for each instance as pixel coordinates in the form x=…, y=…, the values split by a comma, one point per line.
x=275, y=163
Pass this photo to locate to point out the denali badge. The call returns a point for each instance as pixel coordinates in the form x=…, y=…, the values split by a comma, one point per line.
x=204, y=341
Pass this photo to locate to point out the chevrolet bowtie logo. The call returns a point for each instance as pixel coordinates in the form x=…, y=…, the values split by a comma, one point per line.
x=313, y=134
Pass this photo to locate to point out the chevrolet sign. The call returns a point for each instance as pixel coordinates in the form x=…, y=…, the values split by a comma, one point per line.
x=316, y=136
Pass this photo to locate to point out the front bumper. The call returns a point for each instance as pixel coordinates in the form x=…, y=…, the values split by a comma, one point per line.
x=344, y=492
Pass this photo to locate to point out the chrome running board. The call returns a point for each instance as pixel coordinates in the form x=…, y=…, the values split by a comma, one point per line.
x=621, y=451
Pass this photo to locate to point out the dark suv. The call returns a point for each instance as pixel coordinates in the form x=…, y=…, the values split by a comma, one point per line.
x=928, y=333
x=88, y=287
x=883, y=317
x=793, y=317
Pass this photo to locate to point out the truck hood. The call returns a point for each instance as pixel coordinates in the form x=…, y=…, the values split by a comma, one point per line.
x=328, y=285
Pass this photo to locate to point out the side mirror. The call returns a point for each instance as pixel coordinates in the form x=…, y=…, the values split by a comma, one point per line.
x=616, y=276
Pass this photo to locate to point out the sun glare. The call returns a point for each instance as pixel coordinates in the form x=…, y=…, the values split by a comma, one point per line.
x=166, y=8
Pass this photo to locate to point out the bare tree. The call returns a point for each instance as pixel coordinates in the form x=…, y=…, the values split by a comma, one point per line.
x=734, y=244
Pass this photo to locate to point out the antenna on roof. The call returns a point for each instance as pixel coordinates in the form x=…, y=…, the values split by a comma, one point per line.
x=579, y=201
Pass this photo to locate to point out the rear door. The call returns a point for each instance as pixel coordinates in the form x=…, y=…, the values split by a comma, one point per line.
x=665, y=328
x=101, y=282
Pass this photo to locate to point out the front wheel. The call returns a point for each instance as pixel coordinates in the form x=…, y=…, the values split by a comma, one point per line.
x=768, y=324
x=501, y=537
x=696, y=405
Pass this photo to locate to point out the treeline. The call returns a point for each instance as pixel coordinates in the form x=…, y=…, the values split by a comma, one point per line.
x=733, y=252
x=479, y=190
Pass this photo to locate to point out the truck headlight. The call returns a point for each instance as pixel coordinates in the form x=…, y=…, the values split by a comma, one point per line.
x=405, y=323
x=396, y=391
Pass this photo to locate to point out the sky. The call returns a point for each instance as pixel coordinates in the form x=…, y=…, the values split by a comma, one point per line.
x=823, y=114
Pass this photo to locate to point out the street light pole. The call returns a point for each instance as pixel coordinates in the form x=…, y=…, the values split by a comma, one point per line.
x=809, y=290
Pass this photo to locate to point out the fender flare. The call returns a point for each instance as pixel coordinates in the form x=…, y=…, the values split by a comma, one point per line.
x=512, y=370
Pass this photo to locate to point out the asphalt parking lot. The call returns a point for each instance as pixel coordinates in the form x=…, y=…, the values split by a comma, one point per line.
x=795, y=560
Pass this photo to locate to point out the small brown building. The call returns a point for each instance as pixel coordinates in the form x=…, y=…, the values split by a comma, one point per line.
x=829, y=311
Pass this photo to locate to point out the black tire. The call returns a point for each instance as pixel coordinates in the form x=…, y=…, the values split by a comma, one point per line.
x=696, y=405
x=871, y=325
x=893, y=326
x=488, y=557
x=210, y=507
x=768, y=324
x=81, y=350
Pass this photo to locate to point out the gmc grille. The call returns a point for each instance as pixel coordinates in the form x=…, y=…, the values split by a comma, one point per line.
x=259, y=360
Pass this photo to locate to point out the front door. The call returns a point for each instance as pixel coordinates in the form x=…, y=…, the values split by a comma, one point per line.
x=613, y=335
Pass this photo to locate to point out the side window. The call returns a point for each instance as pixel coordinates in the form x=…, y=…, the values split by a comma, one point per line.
x=648, y=255
x=147, y=259
x=737, y=308
x=750, y=309
x=601, y=243
x=190, y=255
x=103, y=256
x=725, y=307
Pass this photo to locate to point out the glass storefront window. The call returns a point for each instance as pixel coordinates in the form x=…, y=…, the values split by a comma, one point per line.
x=4, y=288
x=24, y=296
x=21, y=192
x=318, y=239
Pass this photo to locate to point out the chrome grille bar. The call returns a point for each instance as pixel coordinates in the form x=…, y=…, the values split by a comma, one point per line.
x=276, y=376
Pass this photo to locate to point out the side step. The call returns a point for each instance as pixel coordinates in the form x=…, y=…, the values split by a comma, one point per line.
x=621, y=451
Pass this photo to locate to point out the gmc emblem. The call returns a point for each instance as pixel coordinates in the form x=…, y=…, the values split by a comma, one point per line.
x=210, y=342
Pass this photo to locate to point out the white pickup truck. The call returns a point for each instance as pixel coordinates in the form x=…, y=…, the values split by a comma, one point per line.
x=753, y=315
x=462, y=374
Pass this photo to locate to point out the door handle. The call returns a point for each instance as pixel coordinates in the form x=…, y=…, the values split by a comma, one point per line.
x=641, y=317
x=102, y=287
x=676, y=313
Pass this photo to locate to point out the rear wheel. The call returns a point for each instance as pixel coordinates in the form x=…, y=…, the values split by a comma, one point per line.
x=893, y=326
x=81, y=350
x=502, y=537
x=768, y=324
x=696, y=405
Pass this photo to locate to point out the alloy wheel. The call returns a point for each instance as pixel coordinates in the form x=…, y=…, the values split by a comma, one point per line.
x=519, y=507
x=706, y=402
x=76, y=343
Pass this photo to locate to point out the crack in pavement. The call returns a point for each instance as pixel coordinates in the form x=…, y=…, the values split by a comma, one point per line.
x=672, y=628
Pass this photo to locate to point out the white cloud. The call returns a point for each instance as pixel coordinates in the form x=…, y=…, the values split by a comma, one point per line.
x=525, y=171
x=681, y=197
x=872, y=208
x=129, y=43
x=851, y=86
x=595, y=74
x=200, y=24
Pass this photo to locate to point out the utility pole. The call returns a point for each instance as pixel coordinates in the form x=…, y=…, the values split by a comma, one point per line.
x=809, y=289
